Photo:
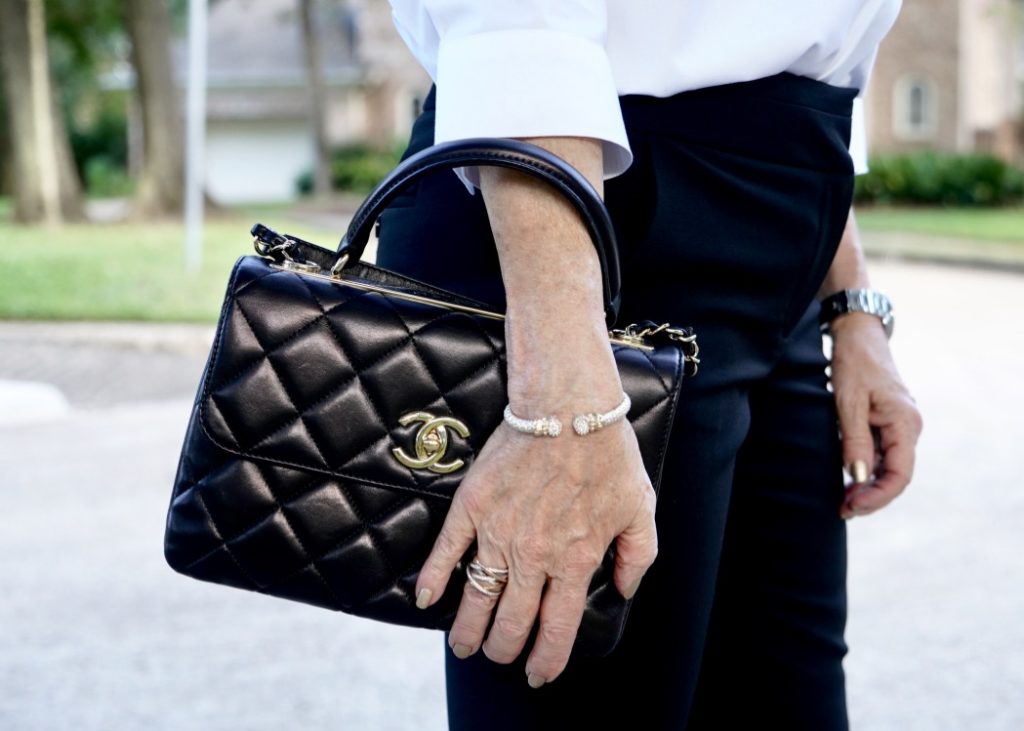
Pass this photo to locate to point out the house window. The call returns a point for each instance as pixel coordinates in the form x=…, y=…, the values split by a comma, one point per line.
x=915, y=108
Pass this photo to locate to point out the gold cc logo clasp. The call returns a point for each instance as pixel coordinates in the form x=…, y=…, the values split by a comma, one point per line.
x=431, y=442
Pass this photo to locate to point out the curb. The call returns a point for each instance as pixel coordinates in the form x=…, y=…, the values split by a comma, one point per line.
x=997, y=256
x=31, y=402
x=142, y=336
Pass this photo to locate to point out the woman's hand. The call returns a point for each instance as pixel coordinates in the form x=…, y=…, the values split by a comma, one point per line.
x=546, y=509
x=879, y=420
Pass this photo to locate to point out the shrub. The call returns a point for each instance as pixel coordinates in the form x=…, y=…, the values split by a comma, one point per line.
x=940, y=179
x=355, y=168
x=106, y=178
x=104, y=137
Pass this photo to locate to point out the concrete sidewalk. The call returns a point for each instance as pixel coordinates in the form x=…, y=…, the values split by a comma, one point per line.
x=98, y=634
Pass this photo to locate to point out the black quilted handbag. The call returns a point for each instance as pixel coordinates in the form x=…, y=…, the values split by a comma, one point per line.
x=342, y=403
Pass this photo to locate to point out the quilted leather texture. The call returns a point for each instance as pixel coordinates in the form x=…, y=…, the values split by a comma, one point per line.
x=288, y=483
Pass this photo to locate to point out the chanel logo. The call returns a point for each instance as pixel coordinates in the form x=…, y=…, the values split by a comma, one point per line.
x=431, y=442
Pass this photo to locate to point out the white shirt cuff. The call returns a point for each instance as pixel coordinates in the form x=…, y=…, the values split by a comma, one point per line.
x=858, y=138
x=529, y=83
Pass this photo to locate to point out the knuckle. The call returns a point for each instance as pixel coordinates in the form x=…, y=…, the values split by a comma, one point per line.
x=583, y=561
x=642, y=557
x=557, y=634
x=463, y=634
x=478, y=600
x=497, y=654
x=854, y=436
x=849, y=401
x=473, y=501
x=489, y=534
x=446, y=544
x=651, y=554
x=511, y=628
x=532, y=551
x=916, y=420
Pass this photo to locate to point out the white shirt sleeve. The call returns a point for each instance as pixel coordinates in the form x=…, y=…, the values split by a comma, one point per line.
x=858, y=138
x=518, y=68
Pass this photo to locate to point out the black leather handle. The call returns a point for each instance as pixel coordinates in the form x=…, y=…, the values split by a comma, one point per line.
x=499, y=152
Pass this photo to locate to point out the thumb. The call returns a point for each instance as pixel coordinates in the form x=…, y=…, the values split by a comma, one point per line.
x=858, y=443
x=635, y=551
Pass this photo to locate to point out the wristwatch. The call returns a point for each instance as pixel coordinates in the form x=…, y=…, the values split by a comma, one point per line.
x=857, y=300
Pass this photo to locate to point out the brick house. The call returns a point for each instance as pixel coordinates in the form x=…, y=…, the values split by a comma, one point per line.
x=950, y=76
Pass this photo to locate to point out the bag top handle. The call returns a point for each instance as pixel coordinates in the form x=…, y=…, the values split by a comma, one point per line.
x=499, y=152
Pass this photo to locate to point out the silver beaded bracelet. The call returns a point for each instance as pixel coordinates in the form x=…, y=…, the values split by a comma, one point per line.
x=585, y=423
x=547, y=426
x=582, y=424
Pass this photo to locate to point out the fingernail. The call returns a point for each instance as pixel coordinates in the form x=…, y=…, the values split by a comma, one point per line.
x=423, y=598
x=535, y=680
x=859, y=471
x=462, y=651
x=632, y=589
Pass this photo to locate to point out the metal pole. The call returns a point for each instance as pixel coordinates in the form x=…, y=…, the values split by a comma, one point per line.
x=195, y=134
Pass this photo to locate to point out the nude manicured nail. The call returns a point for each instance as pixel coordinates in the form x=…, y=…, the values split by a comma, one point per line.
x=859, y=472
x=423, y=598
x=535, y=680
x=462, y=651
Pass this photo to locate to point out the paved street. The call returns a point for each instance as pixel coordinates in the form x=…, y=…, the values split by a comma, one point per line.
x=96, y=633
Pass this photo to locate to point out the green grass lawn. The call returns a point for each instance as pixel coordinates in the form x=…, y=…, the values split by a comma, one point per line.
x=133, y=271
x=126, y=271
x=982, y=224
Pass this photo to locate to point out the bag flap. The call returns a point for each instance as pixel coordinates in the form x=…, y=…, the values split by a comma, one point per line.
x=318, y=375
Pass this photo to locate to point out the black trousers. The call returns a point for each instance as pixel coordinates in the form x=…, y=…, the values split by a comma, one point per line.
x=727, y=220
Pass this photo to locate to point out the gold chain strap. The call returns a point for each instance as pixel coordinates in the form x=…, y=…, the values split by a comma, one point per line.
x=639, y=333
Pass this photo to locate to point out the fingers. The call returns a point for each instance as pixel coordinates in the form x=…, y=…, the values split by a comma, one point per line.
x=635, y=550
x=897, y=467
x=514, y=618
x=475, y=609
x=899, y=425
x=858, y=444
x=560, y=617
x=455, y=538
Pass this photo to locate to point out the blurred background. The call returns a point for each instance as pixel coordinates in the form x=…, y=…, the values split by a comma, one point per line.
x=111, y=282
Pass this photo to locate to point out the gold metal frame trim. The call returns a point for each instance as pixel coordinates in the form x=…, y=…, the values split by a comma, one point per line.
x=399, y=294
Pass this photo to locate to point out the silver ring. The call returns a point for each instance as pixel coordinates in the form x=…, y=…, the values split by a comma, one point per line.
x=488, y=581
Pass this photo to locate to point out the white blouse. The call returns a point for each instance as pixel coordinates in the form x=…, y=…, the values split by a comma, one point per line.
x=526, y=68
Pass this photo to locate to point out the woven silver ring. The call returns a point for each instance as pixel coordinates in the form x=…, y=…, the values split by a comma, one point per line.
x=488, y=581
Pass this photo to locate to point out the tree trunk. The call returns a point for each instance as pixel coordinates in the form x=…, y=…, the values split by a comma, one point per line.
x=317, y=100
x=46, y=186
x=160, y=190
x=6, y=180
